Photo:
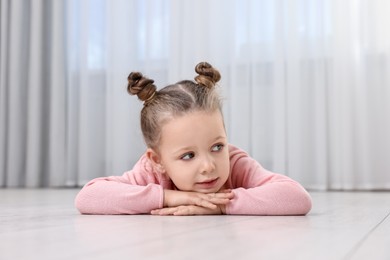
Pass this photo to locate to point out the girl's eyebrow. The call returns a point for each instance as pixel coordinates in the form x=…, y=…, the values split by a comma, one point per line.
x=219, y=137
x=189, y=148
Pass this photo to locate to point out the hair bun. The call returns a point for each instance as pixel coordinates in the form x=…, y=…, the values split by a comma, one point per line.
x=141, y=86
x=208, y=76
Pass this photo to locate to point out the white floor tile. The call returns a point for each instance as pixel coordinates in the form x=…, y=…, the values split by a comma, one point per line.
x=43, y=224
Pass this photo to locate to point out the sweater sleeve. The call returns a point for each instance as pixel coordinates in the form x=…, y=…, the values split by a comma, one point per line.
x=135, y=192
x=261, y=192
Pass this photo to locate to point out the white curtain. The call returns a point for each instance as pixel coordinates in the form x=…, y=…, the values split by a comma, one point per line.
x=306, y=82
x=32, y=90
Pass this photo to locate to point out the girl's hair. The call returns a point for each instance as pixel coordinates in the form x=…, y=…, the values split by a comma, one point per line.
x=174, y=100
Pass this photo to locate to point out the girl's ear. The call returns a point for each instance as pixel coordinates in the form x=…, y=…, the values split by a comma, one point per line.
x=155, y=158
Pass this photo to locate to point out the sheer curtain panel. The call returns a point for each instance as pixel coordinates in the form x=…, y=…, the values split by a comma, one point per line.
x=306, y=84
x=32, y=94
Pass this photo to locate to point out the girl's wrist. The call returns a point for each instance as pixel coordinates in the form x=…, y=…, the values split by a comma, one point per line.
x=166, y=199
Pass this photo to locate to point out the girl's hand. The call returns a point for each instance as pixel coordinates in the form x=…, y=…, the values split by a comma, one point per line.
x=174, y=198
x=188, y=210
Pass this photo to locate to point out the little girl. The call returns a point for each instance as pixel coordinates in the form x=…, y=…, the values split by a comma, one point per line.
x=189, y=168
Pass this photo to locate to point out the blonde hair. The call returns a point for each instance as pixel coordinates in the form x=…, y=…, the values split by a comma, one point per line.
x=174, y=100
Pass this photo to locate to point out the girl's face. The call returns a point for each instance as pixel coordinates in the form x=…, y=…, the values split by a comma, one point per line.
x=194, y=152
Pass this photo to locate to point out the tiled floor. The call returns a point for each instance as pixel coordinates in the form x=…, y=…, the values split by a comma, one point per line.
x=43, y=224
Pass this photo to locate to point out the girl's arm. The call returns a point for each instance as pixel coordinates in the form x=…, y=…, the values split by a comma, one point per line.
x=261, y=192
x=118, y=195
x=135, y=192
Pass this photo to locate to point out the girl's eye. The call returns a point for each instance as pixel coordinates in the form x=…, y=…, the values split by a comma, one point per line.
x=188, y=156
x=217, y=148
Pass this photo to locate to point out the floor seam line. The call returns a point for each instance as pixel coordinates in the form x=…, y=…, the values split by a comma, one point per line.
x=365, y=237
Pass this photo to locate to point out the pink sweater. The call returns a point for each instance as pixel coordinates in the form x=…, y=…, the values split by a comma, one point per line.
x=257, y=191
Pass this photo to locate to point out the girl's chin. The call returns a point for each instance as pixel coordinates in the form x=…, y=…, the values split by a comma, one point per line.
x=215, y=189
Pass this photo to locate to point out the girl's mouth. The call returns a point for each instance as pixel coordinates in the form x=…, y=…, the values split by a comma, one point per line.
x=208, y=183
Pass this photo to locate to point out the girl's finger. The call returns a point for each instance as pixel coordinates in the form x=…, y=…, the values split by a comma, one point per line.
x=219, y=201
x=195, y=210
x=220, y=197
x=183, y=211
x=204, y=201
x=163, y=211
x=225, y=191
x=155, y=212
x=211, y=200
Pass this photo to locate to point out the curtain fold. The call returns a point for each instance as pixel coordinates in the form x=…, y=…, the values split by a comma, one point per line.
x=305, y=82
x=33, y=94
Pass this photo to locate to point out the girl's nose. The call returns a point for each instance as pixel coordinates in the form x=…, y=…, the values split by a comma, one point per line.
x=208, y=165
